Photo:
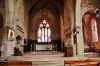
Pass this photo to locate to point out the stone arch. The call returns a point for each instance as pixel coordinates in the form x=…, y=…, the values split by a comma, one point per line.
x=86, y=23
x=37, y=20
x=53, y=11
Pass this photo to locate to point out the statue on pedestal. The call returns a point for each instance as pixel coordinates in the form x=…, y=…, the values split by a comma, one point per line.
x=17, y=51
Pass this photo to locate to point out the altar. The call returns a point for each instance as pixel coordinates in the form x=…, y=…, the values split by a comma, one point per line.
x=43, y=47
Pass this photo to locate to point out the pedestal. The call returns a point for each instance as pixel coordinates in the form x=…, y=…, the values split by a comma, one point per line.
x=69, y=51
x=17, y=52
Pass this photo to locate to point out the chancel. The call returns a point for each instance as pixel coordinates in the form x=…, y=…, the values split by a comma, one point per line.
x=49, y=32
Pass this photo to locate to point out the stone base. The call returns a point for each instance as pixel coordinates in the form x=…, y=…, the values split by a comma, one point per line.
x=17, y=52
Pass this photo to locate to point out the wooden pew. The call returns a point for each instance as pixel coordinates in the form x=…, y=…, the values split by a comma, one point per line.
x=16, y=63
x=79, y=64
x=84, y=64
x=95, y=61
x=88, y=62
x=92, y=63
x=19, y=63
x=70, y=62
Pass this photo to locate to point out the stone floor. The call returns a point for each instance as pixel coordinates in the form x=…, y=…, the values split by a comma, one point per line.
x=42, y=56
x=49, y=58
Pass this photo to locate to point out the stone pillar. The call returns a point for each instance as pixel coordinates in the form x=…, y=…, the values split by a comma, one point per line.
x=9, y=24
x=71, y=20
x=62, y=31
x=80, y=44
x=19, y=20
x=14, y=16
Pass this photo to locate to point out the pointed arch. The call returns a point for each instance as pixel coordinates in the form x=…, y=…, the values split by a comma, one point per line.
x=90, y=27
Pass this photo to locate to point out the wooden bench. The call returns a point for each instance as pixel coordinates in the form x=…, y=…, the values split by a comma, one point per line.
x=88, y=62
x=84, y=64
x=79, y=64
x=93, y=60
x=17, y=63
x=92, y=63
x=20, y=63
x=69, y=62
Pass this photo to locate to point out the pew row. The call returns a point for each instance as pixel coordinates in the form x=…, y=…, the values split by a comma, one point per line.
x=93, y=60
x=87, y=62
x=16, y=63
x=70, y=62
x=84, y=64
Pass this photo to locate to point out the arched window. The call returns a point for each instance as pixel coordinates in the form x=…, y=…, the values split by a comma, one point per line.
x=44, y=32
x=94, y=30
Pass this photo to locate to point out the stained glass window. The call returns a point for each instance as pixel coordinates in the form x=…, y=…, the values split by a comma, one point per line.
x=44, y=32
x=94, y=30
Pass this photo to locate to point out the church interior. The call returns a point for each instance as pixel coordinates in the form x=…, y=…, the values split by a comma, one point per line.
x=49, y=32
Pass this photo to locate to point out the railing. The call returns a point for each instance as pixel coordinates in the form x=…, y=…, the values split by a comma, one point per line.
x=47, y=47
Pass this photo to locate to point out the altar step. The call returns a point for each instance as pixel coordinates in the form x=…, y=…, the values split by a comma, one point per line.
x=48, y=63
x=91, y=54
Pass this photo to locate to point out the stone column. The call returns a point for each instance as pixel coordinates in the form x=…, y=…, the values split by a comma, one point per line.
x=80, y=44
x=71, y=22
x=62, y=31
x=14, y=16
x=9, y=24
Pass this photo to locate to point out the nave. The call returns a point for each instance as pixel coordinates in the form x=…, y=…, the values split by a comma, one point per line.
x=49, y=58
